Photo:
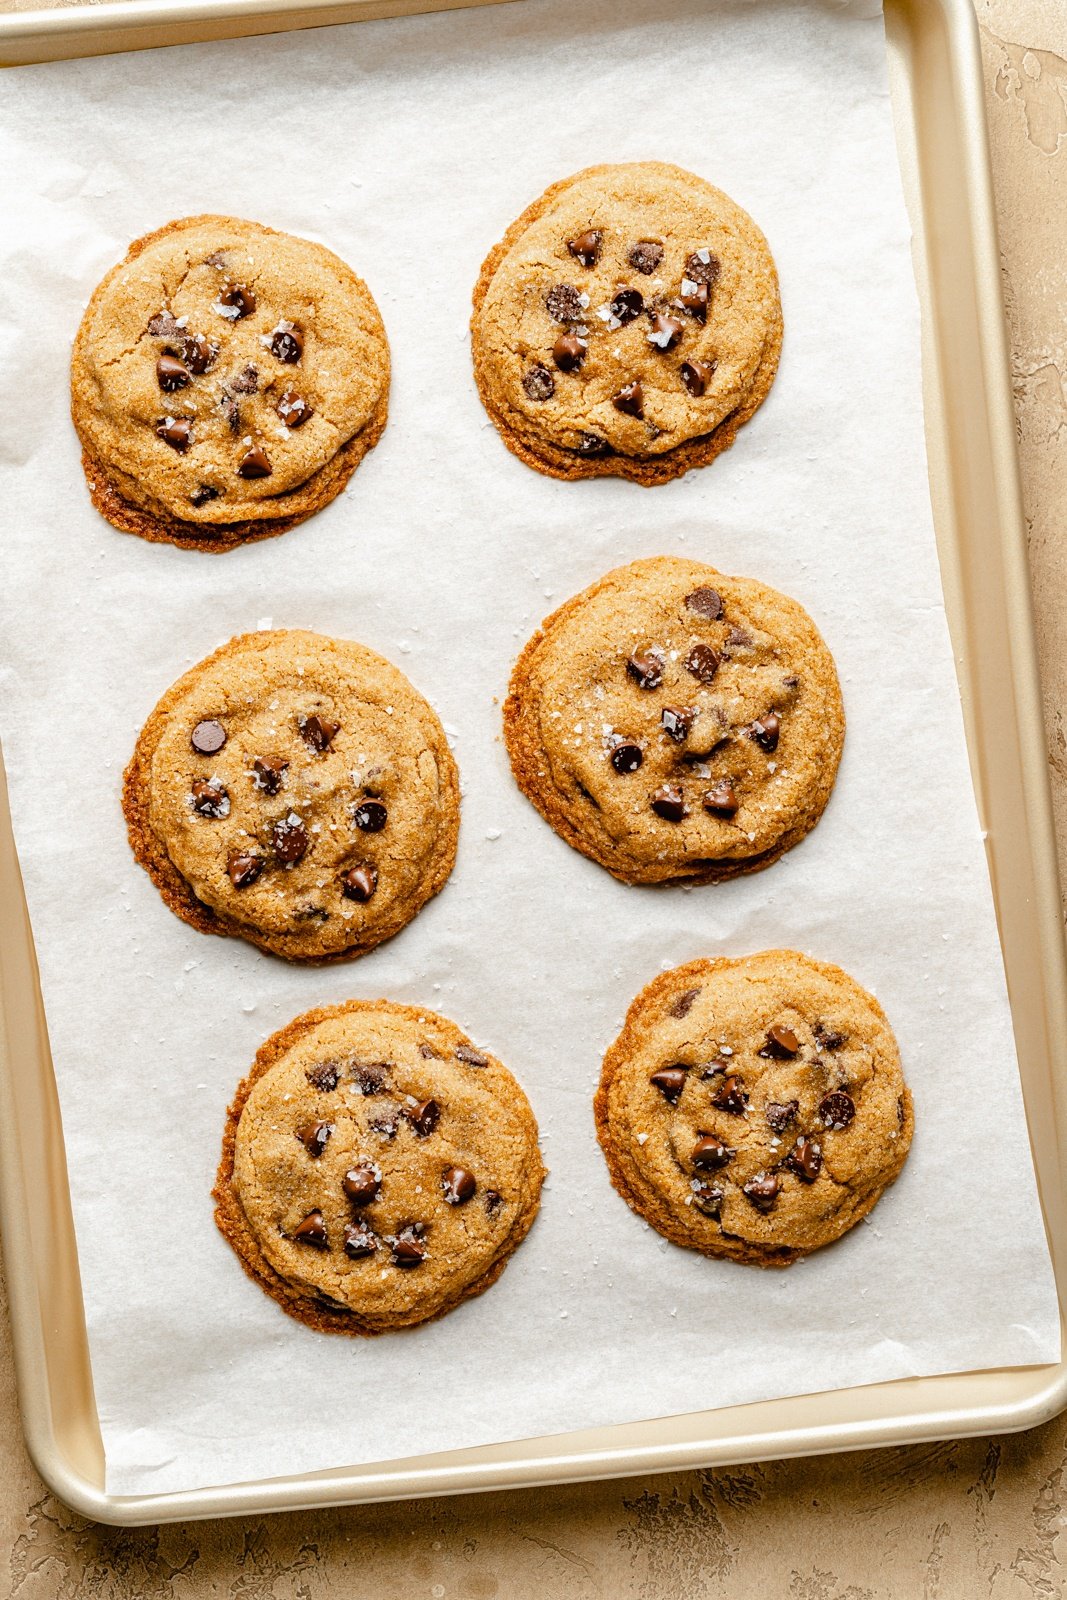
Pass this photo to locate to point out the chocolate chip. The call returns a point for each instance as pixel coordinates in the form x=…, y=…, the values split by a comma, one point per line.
x=703, y=270
x=172, y=374
x=631, y=399
x=424, y=1117
x=359, y=1240
x=312, y=1231
x=408, y=1247
x=626, y=305
x=362, y=1184
x=762, y=1190
x=780, y=1114
x=805, y=1159
x=738, y=639
x=730, y=1096
x=197, y=352
x=370, y=1077
x=314, y=1136
x=493, y=1202
x=696, y=375
x=705, y=602
x=710, y=1153
x=765, y=732
x=829, y=1038
x=668, y=802
x=900, y=1109
x=781, y=1042
x=627, y=757
x=208, y=738
x=564, y=303
x=287, y=343
x=293, y=409
x=646, y=666
x=645, y=256
x=837, y=1109
x=202, y=494
x=587, y=246
x=370, y=815
x=428, y=1053
x=210, y=798
x=267, y=773
x=385, y=1122
x=720, y=800
x=231, y=411
x=360, y=882
x=666, y=331
x=318, y=732
x=684, y=1003
x=177, y=432
x=591, y=444
x=707, y=1197
x=458, y=1185
x=472, y=1057
x=290, y=839
x=694, y=299
x=538, y=382
x=569, y=352
x=164, y=325
x=238, y=300
x=255, y=463
x=323, y=1076
x=677, y=721
x=702, y=662
x=216, y=259
x=715, y=1069
x=246, y=381
x=670, y=1081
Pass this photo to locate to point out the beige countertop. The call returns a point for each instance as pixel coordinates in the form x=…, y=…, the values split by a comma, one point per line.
x=940, y=1522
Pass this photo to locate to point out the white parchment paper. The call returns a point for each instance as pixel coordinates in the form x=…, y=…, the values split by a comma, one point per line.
x=408, y=147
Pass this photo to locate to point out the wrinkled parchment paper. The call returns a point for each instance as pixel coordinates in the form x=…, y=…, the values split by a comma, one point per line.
x=408, y=147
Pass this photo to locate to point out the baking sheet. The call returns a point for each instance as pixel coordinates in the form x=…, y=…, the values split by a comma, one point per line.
x=408, y=147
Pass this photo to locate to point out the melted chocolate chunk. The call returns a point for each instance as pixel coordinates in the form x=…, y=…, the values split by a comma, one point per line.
x=693, y=299
x=837, y=1109
x=696, y=375
x=666, y=331
x=385, y=1122
x=324, y=1076
x=177, y=432
x=720, y=800
x=765, y=732
x=627, y=305
x=586, y=248
x=627, y=757
x=538, y=382
x=210, y=798
x=677, y=722
x=668, y=802
x=359, y=1240
x=290, y=840
x=781, y=1042
x=631, y=399
x=208, y=737
x=164, y=325
x=569, y=352
x=645, y=256
x=172, y=374
x=293, y=409
x=829, y=1038
x=591, y=444
x=246, y=381
x=762, y=1190
x=197, y=352
x=705, y=602
x=707, y=1197
x=314, y=1136
x=730, y=1096
x=701, y=270
x=255, y=463
x=458, y=1186
x=470, y=1056
x=424, y=1117
x=780, y=1114
x=805, y=1159
x=710, y=1153
x=370, y=1077
x=287, y=343
x=370, y=816
x=646, y=667
x=312, y=1231
x=564, y=303
x=702, y=663
x=318, y=732
x=359, y=882
x=670, y=1081
x=409, y=1249
x=684, y=1003
x=267, y=772
x=362, y=1184
x=236, y=301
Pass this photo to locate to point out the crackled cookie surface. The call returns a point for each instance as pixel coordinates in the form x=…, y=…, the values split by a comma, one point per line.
x=627, y=324
x=754, y=1109
x=297, y=791
x=675, y=723
x=227, y=379
x=377, y=1169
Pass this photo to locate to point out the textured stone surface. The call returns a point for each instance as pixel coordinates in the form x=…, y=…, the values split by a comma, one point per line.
x=936, y=1522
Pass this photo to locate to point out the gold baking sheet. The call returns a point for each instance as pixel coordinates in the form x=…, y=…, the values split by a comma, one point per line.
x=938, y=101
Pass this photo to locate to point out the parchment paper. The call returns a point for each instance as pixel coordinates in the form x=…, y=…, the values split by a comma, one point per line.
x=408, y=147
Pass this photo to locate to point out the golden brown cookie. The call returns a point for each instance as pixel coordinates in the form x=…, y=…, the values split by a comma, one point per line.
x=227, y=380
x=673, y=723
x=296, y=791
x=377, y=1168
x=754, y=1109
x=627, y=325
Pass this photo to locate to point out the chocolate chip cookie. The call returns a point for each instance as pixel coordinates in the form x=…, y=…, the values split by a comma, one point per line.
x=296, y=791
x=672, y=723
x=227, y=380
x=754, y=1109
x=627, y=325
x=377, y=1168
